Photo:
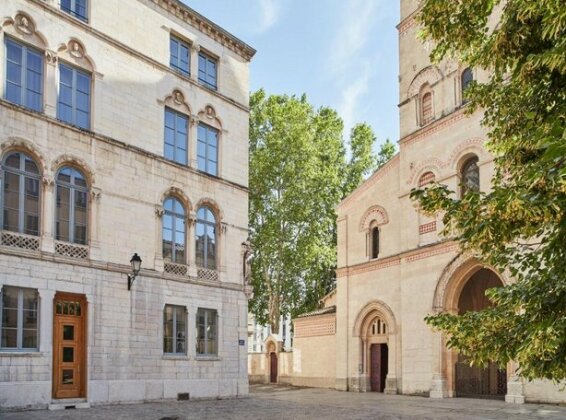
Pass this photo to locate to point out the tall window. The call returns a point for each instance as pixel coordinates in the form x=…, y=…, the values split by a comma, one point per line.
x=206, y=238
x=20, y=194
x=174, y=231
x=18, y=318
x=207, y=153
x=24, y=75
x=175, y=329
x=207, y=70
x=375, y=242
x=71, y=215
x=73, y=105
x=426, y=108
x=465, y=80
x=179, y=56
x=176, y=136
x=206, y=332
x=470, y=176
x=76, y=8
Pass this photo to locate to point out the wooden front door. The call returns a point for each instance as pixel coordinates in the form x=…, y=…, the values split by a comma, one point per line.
x=69, y=346
x=273, y=368
x=378, y=367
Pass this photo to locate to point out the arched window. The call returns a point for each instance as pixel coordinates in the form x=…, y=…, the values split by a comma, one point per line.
x=374, y=242
x=71, y=214
x=426, y=178
x=426, y=108
x=377, y=327
x=466, y=78
x=206, y=238
x=20, y=194
x=470, y=175
x=174, y=236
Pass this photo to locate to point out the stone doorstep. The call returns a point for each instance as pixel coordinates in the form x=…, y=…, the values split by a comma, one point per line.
x=68, y=403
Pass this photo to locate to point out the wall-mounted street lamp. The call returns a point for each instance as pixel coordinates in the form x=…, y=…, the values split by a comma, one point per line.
x=136, y=265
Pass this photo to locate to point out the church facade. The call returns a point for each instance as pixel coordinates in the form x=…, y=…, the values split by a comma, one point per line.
x=394, y=268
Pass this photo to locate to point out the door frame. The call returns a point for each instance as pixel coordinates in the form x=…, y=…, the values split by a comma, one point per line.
x=272, y=356
x=55, y=344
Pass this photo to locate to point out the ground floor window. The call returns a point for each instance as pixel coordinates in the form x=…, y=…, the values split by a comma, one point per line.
x=174, y=329
x=206, y=332
x=19, y=318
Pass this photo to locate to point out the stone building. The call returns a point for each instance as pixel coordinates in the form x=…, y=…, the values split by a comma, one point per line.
x=123, y=129
x=393, y=267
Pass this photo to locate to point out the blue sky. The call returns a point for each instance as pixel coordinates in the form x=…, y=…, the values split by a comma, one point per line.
x=341, y=53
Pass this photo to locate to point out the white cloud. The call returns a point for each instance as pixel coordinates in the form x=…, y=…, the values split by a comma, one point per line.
x=351, y=94
x=269, y=14
x=352, y=33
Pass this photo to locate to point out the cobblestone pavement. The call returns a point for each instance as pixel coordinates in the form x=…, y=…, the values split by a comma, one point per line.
x=278, y=403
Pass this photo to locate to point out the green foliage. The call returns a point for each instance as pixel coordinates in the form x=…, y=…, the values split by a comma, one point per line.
x=520, y=225
x=298, y=174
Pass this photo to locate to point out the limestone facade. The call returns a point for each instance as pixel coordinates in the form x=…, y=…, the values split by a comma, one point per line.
x=124, y=51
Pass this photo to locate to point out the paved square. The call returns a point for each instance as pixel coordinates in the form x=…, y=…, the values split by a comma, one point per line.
x=275, y=402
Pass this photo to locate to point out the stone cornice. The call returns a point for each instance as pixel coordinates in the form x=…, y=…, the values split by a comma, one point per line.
x=114, y=268
x=433, y=127
x=405, y=257
x=206, y=26
x=117, y=44
x=120, y=144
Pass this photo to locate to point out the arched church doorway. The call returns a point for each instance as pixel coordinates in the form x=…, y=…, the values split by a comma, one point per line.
x=377, y=359
x=474, y=381
x=273, y=367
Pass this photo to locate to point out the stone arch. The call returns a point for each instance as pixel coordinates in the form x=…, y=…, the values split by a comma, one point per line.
x=465, y=149
x=25, y=146
x=213, y=205
x=75, y=162
x=388, y=340
x=24, y=27
x=377, y=213
x=176, y=100
x=429, y=75
x=430, y=165
x=75, y=53
x=180, y=195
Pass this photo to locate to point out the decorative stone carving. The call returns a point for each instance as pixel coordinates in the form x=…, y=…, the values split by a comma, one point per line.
x=209, y=112
x=430, y=75
x=24, y=24
x=76, y=49
x=246, y=262
x=178, y=97
x=48, y=181
x=76, y=161
x=95, y=194
x=51, y=57
x=159, y=211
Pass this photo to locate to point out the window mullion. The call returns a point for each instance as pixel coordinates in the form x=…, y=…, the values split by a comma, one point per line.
x=20, y=320
x=23, y=75
x=174, y=349
x=71, y=213
x=173, y=236
x=73, y=97
x=21, y=203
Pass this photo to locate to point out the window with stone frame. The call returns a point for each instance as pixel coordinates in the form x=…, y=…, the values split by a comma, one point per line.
x=175, y=330
x=179, y=56
x=206, y=332
x=207, y=70
x=176, y=136
x=20, y=194
x=466, y=78
x=174, y=231
x=374, y=240
x=19, y=310
x=470, y=176
x=73, y=104
x=71, y=213
x=427, y=111
x=76, y=8
x=206, y=238
x=24, y=75
x=207, y=149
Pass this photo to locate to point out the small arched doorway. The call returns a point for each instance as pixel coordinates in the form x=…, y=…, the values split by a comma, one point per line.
x=378, y=354
x=273, y=367
x=474, y=381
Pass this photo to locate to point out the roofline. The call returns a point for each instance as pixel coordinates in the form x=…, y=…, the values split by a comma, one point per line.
x=364, y=185
x=192, y=17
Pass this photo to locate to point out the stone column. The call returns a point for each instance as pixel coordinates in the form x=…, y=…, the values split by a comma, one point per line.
x=391, y=378
x=48, y=221
x=515, y=386
x=438, y=386
x=51, y=83
x=195, y=48
x=191, y=243
x=193, y=133
x=158, y=261
x=94, y=202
